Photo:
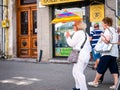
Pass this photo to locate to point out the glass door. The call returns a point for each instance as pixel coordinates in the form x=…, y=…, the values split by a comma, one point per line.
x=61, y=48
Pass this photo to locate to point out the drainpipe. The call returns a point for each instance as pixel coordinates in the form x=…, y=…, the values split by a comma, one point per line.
x=5, y=31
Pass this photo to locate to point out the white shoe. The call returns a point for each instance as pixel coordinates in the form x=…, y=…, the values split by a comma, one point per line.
x=112, y=87
x=93, y=84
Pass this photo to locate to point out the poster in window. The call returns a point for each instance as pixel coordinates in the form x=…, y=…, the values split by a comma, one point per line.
x=96, y=13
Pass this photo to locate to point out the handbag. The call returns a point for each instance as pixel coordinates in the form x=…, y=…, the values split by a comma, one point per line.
x=73, y=57
x=103, y=47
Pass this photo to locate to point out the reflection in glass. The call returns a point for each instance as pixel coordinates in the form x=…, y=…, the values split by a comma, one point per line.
x=60, y=29
x=34, y=22
x=24, y=23
x=61, y=46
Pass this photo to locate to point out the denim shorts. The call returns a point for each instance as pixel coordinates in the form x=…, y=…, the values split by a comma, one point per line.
x=96, y=55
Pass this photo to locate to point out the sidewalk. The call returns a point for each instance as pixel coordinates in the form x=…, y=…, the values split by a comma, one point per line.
x=24, y=75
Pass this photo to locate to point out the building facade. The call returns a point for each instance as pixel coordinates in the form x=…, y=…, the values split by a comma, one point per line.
x=31, y=33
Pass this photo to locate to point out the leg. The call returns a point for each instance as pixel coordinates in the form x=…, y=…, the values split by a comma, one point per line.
x=101, y=79
x=95, y=83
x=97, y=77
x=96, y=63
x=104, y=62
x=81, y=77
x=100, y=70
x=96, y=57
x=80, y=67
x=114, y=70
x=74, y=75
x=115, y=76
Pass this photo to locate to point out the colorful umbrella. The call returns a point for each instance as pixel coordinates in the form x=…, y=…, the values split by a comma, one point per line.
x=66, y=17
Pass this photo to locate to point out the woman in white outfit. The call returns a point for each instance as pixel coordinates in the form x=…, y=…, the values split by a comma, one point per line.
x=75, y=42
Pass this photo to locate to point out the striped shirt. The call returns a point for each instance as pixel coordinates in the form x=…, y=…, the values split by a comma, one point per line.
x=95, y=34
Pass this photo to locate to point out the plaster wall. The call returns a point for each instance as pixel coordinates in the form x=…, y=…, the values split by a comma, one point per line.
x=109, y=12
x=44, y=35
x=12, y=29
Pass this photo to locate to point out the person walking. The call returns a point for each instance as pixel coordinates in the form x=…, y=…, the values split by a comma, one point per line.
x=94, y=37
x=75, y=42
x=108, y=59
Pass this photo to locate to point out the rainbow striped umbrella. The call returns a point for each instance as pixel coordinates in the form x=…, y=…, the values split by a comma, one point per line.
x=66, y=17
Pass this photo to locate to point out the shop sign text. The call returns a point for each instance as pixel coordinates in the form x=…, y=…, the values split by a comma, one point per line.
x=48, y=2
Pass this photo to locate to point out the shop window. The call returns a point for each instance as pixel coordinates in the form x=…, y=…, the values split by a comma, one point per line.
x=25, y=2
x=61, y=48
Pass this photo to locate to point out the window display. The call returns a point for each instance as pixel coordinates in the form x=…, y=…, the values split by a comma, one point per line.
x=60, y=45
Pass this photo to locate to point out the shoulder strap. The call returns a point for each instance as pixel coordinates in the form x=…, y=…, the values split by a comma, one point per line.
x=84, y=41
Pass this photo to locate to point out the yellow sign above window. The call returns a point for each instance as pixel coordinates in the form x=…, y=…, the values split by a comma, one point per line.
x=96, y=12
x=49, y=2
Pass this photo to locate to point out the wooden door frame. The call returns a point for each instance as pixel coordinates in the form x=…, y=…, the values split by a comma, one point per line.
x=23, y=6
x=20, y=8
x=31, y=29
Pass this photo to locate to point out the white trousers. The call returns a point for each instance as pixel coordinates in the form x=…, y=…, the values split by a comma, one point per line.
x=78, y=72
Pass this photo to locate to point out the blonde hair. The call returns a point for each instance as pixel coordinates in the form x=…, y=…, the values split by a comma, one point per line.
x=80, y=25
x=84, y=26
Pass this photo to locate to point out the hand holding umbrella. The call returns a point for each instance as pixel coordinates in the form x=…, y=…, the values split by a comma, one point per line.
x=67, y=34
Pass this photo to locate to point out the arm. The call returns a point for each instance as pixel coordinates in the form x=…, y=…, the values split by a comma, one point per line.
x=118, y=43
x=74, y=40
x=91, y=35
x=90, y=38
x=105, y=39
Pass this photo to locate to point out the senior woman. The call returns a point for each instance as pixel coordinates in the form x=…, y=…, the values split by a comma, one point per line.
x=75, y=42
x=108, y=59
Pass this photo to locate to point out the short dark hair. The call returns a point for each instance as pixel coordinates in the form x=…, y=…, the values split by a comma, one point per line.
x=108, y=21
x=96, y=25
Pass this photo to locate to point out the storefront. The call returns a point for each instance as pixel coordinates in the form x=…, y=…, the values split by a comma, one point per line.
x=44, y=36
x=60, y=49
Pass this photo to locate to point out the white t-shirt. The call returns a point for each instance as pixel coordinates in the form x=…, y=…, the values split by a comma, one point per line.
x=114, y=38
